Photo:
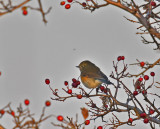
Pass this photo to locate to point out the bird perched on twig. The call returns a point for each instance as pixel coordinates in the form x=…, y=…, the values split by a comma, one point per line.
x=91, y=75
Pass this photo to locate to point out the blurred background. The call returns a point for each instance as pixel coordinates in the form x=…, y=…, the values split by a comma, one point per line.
x=31, y=51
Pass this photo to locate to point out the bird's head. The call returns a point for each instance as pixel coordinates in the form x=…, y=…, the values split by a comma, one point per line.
x=86, y=66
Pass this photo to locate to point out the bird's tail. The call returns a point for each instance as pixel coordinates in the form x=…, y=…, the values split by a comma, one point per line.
x=109, y=83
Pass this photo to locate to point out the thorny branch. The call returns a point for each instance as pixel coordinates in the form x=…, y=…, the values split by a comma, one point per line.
x=23, y=119
x=111, y=103
x=146, y=14
x=6, y=8
x=148, y=66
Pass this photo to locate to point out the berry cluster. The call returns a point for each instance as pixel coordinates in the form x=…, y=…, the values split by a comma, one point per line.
x=67, y=6
x=119, y=58
x=145, y=77
x=75, y=83
x=144, y=116
x=24, y=115
x=103, y=89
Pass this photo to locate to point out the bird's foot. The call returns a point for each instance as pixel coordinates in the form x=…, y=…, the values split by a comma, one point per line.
x=87, y=95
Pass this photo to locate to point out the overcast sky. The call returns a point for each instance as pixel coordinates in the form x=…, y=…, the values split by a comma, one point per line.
x=30, y=52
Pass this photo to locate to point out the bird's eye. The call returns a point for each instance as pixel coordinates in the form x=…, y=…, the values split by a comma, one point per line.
x=82, y=66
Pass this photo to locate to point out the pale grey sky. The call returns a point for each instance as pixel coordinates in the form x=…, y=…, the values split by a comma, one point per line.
x=30, y=52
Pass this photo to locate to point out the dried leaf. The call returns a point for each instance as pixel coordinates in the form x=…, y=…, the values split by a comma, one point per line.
x=1, y=127
x=85, y=113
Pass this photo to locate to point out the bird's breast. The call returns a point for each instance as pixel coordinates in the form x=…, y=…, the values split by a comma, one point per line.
x=90, y=82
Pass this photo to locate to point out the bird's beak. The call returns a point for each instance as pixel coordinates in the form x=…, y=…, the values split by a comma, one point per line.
x=77, y=66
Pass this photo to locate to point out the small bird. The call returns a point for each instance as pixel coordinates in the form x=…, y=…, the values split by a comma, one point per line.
x=91, y=75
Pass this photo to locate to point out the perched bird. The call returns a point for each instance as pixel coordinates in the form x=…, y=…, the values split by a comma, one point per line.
x=91, y=75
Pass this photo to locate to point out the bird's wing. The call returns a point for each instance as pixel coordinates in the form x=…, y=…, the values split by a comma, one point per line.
x=96, y=75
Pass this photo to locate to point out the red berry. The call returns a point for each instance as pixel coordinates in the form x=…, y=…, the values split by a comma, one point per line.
x=47, y=81
x=151, y=111
x=2, y=112
x=87, y=122
x=26, y=102
x=102, y=88
x=60, y=118
x=48, y=103
x=67, y=6
x=122, y=57
x=130, y=120
x=74, y=84
x=142, y=64
x=99, y=127
x=138, y=87
x=144, y=92
x=152, y=74
x=119, y=58
x=146, y=77
x=106, y=106
x=140, y=79
x=135, y=93
x=69, y=91
x=25, y=12
x=84, y=4
x=74, y=80
x=0, y=73
x=62, y=2
x=66, y=83
x=70, y=1
x=79, y=96
x=143, y=115
x=153, y=3
x=12, y=113
x=78, y=83
x=146, y=120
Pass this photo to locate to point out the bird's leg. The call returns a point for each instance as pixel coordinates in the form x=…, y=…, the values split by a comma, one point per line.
x=90, y=91
x=87, y=95
x=97, y=89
